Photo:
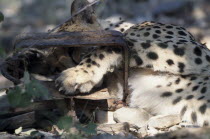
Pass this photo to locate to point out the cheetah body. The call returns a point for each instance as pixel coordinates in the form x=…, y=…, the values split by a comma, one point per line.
x=168, y=72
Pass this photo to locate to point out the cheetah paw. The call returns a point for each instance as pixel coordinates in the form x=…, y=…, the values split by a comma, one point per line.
x=74, y=80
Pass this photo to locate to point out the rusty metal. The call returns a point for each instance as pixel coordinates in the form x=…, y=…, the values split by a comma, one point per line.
x=70, y=39
x=78, y=39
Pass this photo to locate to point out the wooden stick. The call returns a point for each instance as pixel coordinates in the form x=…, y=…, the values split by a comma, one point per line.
x=25, y=120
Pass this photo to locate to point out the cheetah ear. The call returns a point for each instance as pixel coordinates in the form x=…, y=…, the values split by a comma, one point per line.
x=77, y=5
x=88, y=16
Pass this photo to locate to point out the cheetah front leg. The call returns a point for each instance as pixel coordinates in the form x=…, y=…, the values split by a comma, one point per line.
x=90, y=70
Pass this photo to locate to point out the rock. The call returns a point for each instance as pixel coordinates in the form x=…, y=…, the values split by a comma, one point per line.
x=113, y=128
x=27, y=132
x=143, y=131
x=18, y=130
x=164, y=121
x=135, y=116
x=152, y=131
x=104, y=117
x=175, y=127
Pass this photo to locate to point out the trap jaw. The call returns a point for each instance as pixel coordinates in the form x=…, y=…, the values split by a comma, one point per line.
x=79, y=39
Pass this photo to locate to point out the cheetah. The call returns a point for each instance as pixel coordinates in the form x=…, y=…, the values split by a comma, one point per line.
x=168, y=72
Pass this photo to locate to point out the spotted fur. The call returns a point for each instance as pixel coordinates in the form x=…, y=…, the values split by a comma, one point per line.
x=168, y=71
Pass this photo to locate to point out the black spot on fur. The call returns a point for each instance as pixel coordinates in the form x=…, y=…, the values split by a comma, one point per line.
x=109, y=50
x=184, y=109
x=162, y=45
x=194, y=117
x=189, y=84
x=195, y=88
x=203, y=108
x=181, y=41
x=132, y=34
x=145, y=45
x=149, y=66
x=88, y=65
x=203, y=70
x=96, y=64
x=205, y=123
x=181, y=67
x=155, y=36
x=166, y=94
x=122, y=29
x=182, y=33
x=182, y=28
x=179, y=90
x=158, y=86
x=177, y=100
x=138, y=60
x=101, y=56
x=202, y=97
x=158, y=31
x=152, y=55
x=206, y=78
x=88, y=60
x=177, y=81
x=208, y=58
x=156, y=27
x=169, y=26
x=148, y=29
x=175, y=46
x=189, y=97
x=198, y=61
x=197, y=51
x=203, y=90
x=130, y=43
x=193, y=78
x=184, y=76
x=146, y=34
x=169, y=37
x=116, y=50
x=85, y=71
x=170, y=32
x=170, y=62
x=179, y=51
